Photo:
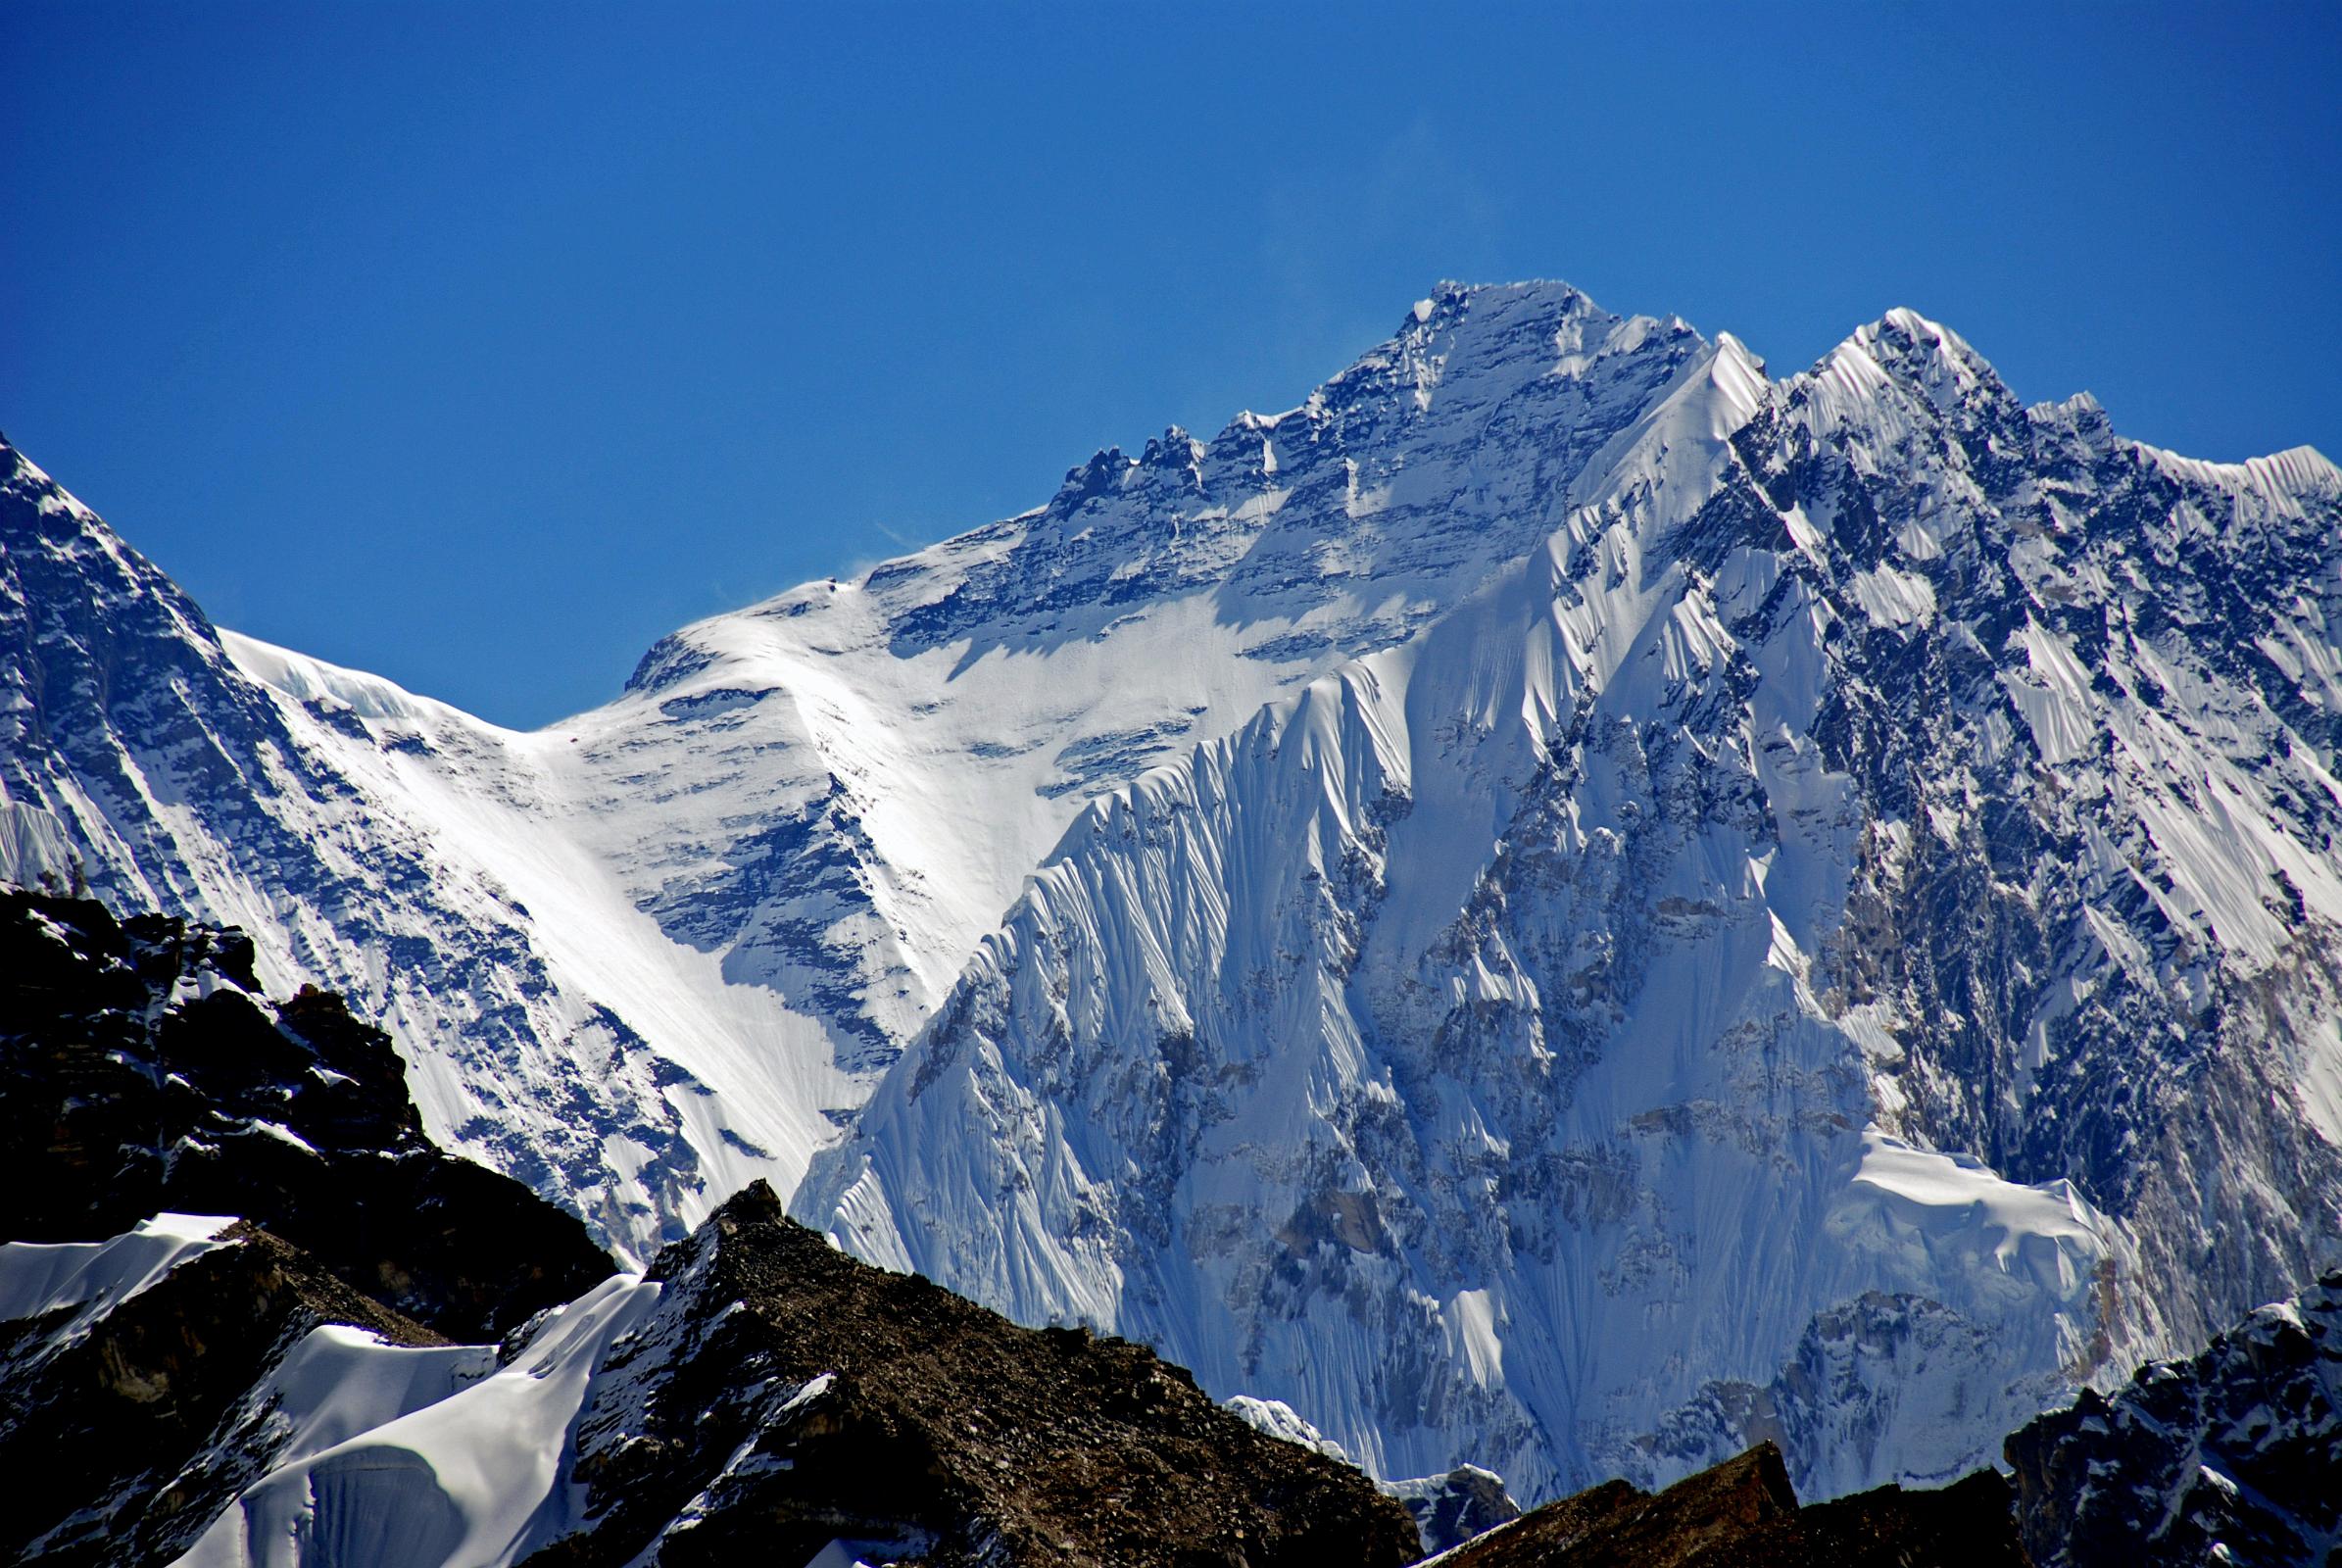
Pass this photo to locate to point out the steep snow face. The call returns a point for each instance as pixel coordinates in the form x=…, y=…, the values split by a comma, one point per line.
x=644, y=956
x=1836, y=943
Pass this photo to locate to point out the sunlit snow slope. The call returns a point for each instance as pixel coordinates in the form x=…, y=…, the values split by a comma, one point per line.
x=1563, y=903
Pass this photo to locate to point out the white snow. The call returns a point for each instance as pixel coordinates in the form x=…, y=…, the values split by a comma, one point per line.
x=1280, y=1421
x=476, y=1479
x=1969, y=1223
x=33, y=847
x=339, y=1383
x=1891, y=597
x=37, y=1277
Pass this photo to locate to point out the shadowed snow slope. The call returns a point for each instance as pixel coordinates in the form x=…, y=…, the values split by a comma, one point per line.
x=37, y=1278
x=1563, y=905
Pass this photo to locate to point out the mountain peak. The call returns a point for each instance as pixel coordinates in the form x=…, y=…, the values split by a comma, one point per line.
x=1904, y=357
x=1464, y=316
x=1926, y=356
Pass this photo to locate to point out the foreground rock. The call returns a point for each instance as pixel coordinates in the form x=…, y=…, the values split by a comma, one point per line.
x=142, y=1069
x=785, y=1396
x=1744, y=1513
x=2233, y=1456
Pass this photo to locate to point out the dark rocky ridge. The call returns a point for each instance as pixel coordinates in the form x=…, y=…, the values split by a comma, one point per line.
x=786, y=1396
x=141, y=1069
x=2233, y=1456
x=1744, y=1513
x=120, y=1446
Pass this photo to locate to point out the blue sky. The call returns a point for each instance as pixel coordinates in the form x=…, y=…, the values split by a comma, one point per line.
x=479, y=346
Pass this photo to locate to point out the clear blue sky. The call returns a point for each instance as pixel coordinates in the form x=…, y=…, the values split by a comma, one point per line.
x=480, y=345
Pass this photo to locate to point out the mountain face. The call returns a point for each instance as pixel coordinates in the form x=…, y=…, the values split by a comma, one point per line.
x=1564, y=904
x=1836, y=945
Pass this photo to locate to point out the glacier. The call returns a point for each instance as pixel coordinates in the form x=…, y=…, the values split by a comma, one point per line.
x=1565, y=905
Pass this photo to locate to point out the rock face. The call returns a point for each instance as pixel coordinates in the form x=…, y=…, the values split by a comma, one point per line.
x=1564, y=904
x=2230, y=1457
x=1452, y=1509
x=141, y=1069
x=1745, y=1514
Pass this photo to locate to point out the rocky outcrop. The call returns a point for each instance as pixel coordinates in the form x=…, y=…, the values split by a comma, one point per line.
x=784, y=1395
x=1452, y=1509
x=2232, y=1456
x=1744, y=1513
x=141, y=1069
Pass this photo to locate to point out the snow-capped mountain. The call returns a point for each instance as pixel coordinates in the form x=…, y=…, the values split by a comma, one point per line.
x=664, y=947
x=1834, y=943
x=1563, y=905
